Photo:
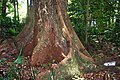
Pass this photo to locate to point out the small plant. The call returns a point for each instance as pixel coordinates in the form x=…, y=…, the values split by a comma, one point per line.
x=20, y=58
x=51, y=76
x=14, y=68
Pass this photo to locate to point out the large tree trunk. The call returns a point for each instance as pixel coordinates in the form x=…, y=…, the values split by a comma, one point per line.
x=52, y=36
x=48, y=36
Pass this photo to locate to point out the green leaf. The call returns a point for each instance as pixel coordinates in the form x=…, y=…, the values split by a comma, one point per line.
x=2, y=60
x=20, y=58
x=51, y=75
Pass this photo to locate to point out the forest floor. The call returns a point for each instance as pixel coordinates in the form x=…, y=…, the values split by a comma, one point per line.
x=12, y=66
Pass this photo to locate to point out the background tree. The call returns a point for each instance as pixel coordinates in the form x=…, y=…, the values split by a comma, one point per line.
x=10, y=26
x=102, y=17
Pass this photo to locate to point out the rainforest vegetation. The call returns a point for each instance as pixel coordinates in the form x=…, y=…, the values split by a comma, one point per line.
x=59, y=39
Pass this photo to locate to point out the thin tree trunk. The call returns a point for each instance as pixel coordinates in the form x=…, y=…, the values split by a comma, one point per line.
x=87, y=22
x=4, y=8
x=17, y=10
x=14, y=3
x=28, y=8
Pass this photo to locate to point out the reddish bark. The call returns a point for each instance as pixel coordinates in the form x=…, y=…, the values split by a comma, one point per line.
x=49, y=36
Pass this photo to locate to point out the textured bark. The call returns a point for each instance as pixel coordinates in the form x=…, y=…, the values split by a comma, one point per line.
x=54, y=36
x=48, y=36
x=53, y=41
x=25, y=37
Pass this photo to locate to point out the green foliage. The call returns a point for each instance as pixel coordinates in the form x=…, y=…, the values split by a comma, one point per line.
x=51, y=76
x=2, y=60
x=100, y=15
x=20, y=58
x=16, y=70
x=9, y=26
x=76, y=13
x=116, y=33
x=13, y=71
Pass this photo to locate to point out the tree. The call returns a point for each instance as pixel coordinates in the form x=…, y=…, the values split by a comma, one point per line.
x=53, y=32
x=48, y=36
